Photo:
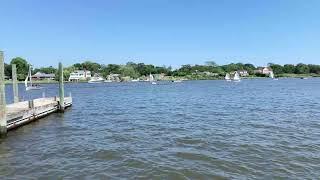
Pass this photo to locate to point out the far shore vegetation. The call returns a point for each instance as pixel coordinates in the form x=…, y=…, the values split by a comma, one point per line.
x=208, y=70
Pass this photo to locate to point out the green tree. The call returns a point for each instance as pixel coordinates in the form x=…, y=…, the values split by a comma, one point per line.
x=289, y=68
x=8, y=70
x=22, y=67
x=250, y=68
x=276, y=68
x=302, y=69
x=129, y=71
x=230, y=67
x=78, y=66
x=47, y=70
x=91, y=66
x=314, y=68
x=211, y=63
x=111, y=69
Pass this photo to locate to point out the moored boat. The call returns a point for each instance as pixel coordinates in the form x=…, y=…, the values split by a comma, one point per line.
x=236, y=77
x=271, y=75
x=151, y=79
x=30, y=86
x=96, y=79
x=227, y=77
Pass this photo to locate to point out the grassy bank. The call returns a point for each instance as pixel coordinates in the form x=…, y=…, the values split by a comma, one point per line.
x=298, y=75
x=187, y=77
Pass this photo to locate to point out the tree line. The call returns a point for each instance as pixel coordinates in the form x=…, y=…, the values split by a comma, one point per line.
x=136, y=70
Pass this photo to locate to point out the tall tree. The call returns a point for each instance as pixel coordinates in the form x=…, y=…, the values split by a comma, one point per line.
x=277, y=68
x=22, y=67
x=91, y=66
x=289, y=68
x=211, y=63
x=8, y=70
x=302, y=69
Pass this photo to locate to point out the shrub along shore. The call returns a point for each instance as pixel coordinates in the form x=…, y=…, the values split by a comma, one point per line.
x=207, y=71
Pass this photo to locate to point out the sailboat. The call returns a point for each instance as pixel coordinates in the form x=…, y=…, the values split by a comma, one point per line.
x=236, y=77
x=96, y=79
x=30, y=86
x=227, y=77
x=151, y=79
x=271, y=75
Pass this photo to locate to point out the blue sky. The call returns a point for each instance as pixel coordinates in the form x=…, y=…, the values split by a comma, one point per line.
x=162, y=32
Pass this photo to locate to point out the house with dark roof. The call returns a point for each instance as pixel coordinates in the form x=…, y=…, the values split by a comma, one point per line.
x=43, y=76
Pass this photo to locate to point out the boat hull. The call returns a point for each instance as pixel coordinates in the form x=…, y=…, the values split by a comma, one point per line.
x=96, y=81
x=33, y=88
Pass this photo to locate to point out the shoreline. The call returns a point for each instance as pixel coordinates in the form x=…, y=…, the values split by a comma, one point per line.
x=184, y=79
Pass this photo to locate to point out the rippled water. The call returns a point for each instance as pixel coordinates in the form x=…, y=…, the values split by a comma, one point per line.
x=196, y=129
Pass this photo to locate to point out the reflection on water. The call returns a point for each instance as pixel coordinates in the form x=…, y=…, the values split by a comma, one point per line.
x=195, y=129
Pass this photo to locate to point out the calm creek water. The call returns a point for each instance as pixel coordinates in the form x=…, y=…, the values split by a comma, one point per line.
x=196, y=129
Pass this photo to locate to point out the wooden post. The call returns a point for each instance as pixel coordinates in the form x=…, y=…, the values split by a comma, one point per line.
x=61, y=88
x=3, y=121
x=15, y=84
x=31, y=104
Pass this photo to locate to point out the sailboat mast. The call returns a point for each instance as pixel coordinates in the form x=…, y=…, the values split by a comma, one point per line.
x=30, y=75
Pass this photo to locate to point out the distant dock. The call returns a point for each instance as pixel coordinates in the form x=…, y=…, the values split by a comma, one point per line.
x=22, y=112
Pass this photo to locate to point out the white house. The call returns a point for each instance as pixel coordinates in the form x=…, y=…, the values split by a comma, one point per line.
x=266, y=70
x=79, y=75
x=243, y=73
x=263, y=70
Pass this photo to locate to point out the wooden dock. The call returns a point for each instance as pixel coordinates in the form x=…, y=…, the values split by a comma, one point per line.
x=21, y=113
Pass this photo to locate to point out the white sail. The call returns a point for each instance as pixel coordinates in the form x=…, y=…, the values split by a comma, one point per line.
x=271, y=75
x=30, y=86
x=227, y=77
x=151, y=78
x=236, y=76
x=26, y=81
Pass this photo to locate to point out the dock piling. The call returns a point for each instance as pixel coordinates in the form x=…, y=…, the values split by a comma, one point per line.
x=3, y=121
x=31, y=104
x=15, y=84
x=61, y=88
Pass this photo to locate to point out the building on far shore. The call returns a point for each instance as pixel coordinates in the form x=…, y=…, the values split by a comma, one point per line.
x=243, y=72
x=80, y=75
x=43, y=76
x=263, y=70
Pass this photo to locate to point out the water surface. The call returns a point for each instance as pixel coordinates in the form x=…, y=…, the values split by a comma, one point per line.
x=195, y=129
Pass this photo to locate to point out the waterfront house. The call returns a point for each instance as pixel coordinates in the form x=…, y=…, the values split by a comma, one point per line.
x=159, y=77
x=43, y=76
x=243, y=72
x=80, y=75
x=263, y=70
x=266, y=70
